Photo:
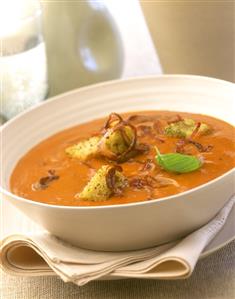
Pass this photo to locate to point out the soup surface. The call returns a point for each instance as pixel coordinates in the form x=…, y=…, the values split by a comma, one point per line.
x=61, y=170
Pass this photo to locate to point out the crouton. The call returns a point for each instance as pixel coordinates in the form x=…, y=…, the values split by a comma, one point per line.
x=115, y=141
x=184, y=128
x=84, y=149
x=97, y=188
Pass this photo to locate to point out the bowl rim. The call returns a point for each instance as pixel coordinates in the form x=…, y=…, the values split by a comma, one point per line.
x=115, y=81
x=116, y=206
x=111, y=82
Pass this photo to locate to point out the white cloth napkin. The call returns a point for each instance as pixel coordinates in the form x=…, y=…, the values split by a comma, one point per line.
x=20, y=255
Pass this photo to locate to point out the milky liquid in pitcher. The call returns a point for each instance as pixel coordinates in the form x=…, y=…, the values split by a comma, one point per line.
x=23, y=80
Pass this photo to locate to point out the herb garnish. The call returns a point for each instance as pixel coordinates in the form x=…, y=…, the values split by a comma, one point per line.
x=179, y=163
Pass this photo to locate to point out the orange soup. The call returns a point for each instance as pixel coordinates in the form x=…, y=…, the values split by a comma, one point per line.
x=126, y=158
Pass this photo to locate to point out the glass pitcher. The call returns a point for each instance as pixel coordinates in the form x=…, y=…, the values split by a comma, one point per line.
x=83, y=44
x=23, y=67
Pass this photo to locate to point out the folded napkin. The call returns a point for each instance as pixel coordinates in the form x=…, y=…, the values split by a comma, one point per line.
x=43, y=254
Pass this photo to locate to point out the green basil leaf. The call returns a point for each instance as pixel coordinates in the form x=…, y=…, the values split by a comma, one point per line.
x=179, y=163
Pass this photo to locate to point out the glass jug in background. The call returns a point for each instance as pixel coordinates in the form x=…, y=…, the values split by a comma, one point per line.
x=83, y=44
x=23, y=67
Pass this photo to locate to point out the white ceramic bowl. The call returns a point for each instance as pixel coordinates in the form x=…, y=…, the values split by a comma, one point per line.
x=130, y=226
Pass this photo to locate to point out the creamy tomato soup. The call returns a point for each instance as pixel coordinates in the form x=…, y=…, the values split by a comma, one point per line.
x=126, y=158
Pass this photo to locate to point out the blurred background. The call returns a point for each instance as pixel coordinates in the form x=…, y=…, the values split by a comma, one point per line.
x=194, y=37
x=50, y=47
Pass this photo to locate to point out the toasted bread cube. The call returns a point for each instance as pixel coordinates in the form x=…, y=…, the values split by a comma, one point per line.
x=84, y=149
x=185, y=128
x=115, y=141
x=97, y=188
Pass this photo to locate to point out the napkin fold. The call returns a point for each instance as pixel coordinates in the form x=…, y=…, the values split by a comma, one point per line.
x=45, y=254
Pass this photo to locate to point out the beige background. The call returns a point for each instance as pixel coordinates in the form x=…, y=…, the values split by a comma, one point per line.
x=193, y=36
